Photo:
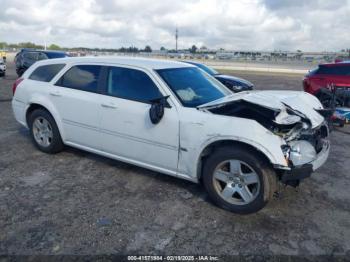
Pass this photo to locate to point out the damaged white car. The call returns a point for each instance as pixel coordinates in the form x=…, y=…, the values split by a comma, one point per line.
x=174, y=118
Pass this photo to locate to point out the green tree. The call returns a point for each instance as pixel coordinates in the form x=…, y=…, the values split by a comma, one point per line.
x=193, y=49
x=3, y=45
x=148, y=49
x=29, y=45
x=162, y=48
x=54, y=47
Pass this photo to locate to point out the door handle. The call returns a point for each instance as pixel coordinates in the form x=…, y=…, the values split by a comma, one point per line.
x=111, y=106
x=55, y=93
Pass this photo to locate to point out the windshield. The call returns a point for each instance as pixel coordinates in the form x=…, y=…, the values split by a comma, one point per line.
x=192, y=86
x=207, y=69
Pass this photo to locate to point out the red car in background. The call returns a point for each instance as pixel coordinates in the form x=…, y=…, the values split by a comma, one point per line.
x=337, y=74
x=330, y=83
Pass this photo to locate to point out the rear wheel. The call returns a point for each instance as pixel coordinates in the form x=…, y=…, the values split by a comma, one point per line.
x=237, y=179
x=44, y=132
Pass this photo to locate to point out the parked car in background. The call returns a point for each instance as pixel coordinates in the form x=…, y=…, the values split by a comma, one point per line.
x=337, y=74
x=3, y=55
x=26, y=57
x=330, y=83
x=2, y=67
x=235, y=84
x=174, y=118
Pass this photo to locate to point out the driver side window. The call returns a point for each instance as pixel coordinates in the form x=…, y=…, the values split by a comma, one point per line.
x=131, y=84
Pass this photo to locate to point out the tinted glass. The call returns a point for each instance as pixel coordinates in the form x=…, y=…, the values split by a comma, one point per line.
x=42, y=56
x=52, y=55
x=192, y=86
x=131, y=84
x=207, y=69
x=334, y=70
x=82, y=77
x=46, y=73
x=31, y=55
x=313, y=72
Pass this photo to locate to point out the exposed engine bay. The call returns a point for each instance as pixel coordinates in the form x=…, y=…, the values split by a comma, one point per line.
x=303, y=141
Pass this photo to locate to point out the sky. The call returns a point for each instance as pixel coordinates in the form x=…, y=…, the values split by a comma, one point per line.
x=288, y=25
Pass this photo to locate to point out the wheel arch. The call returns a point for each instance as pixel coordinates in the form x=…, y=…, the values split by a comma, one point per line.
x=215, y=145
x=37, y=105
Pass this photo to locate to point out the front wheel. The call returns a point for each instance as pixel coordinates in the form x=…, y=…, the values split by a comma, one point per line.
x=238, y=180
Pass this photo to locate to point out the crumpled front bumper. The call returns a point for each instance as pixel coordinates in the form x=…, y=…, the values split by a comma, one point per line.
x=297, y=173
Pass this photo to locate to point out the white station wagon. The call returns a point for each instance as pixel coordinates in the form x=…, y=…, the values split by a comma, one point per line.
x=174, y=118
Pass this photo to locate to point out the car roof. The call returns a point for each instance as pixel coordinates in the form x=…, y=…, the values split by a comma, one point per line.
x=42, y=51
x=344, y=63
x=192, y=63
x=121, y=60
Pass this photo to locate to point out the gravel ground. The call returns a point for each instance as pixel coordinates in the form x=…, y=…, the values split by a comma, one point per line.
x=79, y=203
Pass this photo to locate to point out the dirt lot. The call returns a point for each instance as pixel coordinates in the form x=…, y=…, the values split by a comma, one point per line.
x=79, y=203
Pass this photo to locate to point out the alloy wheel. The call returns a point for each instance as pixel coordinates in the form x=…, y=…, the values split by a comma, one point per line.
x=236, y=182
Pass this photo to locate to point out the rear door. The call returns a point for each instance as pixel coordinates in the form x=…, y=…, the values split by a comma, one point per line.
x=76, y=97
x=342, y=75
x=126, y=128
x=337, y=74
x=29, y=58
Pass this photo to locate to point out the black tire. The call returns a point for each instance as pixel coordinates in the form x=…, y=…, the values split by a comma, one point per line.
x=56, y=144
x=267, y=178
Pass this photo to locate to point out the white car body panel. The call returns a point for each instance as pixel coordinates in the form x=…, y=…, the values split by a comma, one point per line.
x=121, y=129
x=199, y=129
x=127, y=131
x=81, y=126
x=300, y=101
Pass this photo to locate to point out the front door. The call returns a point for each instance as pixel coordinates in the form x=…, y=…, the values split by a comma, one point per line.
x=126, y=129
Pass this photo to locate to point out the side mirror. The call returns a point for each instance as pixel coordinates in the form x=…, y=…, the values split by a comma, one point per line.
x=156, y=112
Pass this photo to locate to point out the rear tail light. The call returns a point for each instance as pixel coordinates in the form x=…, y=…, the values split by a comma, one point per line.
x=15, y=85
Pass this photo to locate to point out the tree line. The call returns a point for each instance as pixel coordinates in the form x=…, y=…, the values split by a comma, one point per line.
x=131, y=49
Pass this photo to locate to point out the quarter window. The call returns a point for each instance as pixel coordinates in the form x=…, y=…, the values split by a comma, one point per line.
x=46, y=73
x=131, y=84
x=82, y=77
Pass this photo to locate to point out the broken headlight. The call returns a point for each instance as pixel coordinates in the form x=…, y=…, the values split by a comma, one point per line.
x=299, y=152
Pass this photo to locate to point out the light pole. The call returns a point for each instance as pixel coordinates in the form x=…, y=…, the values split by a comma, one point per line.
x=176, y=37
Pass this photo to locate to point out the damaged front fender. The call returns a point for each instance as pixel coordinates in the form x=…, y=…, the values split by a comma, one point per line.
x=208, y=128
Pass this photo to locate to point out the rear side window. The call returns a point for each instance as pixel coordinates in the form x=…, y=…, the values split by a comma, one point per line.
x=52, y=55
x=42, y=56
x=342, y=70
x=131, y=84
x=81, y=77
x=46, y=73
x=31, y=56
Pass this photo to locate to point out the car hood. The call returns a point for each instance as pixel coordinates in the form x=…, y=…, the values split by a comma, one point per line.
x=301, y=103
x=234, y=78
